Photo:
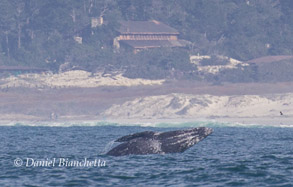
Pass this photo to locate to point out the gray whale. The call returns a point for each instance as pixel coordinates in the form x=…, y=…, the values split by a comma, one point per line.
x=150, y=142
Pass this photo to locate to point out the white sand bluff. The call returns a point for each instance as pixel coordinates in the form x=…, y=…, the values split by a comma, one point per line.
x=76, y=78
x=203, y=106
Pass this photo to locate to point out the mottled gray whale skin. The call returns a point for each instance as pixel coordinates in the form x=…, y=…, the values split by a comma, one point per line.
x=150, y=142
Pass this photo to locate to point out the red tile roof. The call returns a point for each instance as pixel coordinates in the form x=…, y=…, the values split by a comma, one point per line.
x=145, y=27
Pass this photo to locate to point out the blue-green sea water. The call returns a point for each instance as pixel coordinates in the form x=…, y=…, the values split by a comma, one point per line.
x=231, y=156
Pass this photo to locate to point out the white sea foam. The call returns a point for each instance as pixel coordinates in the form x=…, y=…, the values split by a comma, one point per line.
x=159, y=124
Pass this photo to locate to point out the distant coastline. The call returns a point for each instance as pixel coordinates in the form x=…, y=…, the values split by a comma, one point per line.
x=187, y=122
x=82, y=97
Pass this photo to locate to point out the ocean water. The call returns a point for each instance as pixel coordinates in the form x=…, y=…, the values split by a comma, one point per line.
x=231, y=156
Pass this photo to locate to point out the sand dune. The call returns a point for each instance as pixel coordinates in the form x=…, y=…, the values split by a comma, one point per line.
x=203, y=106
x=76, y=78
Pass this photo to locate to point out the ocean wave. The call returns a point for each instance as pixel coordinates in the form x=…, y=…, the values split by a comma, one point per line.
x=165, y=124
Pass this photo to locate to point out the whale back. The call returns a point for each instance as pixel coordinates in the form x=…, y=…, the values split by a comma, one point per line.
x=150, y=142
x=138, y=146
x=181, y=140
x=145, y=134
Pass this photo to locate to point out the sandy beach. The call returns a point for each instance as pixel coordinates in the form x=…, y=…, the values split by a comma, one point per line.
x=75, y=78
x=123, y=107
x=79, y=97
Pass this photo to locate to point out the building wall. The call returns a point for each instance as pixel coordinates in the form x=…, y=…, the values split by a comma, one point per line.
x=95, y=22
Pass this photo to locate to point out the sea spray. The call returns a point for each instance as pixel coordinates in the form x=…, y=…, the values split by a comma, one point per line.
x=108, y=147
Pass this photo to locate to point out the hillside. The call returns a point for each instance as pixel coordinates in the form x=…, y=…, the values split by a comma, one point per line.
x=39, y=33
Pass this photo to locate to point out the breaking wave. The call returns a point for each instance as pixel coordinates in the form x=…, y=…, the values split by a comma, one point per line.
x=190, y=124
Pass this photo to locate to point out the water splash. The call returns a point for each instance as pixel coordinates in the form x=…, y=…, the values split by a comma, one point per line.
x=108, y=147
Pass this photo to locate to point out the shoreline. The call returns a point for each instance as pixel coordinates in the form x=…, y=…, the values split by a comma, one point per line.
x=282, y=121
x=172, y=103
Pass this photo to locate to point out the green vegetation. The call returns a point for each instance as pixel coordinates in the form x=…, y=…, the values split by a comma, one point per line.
x=40, y=33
